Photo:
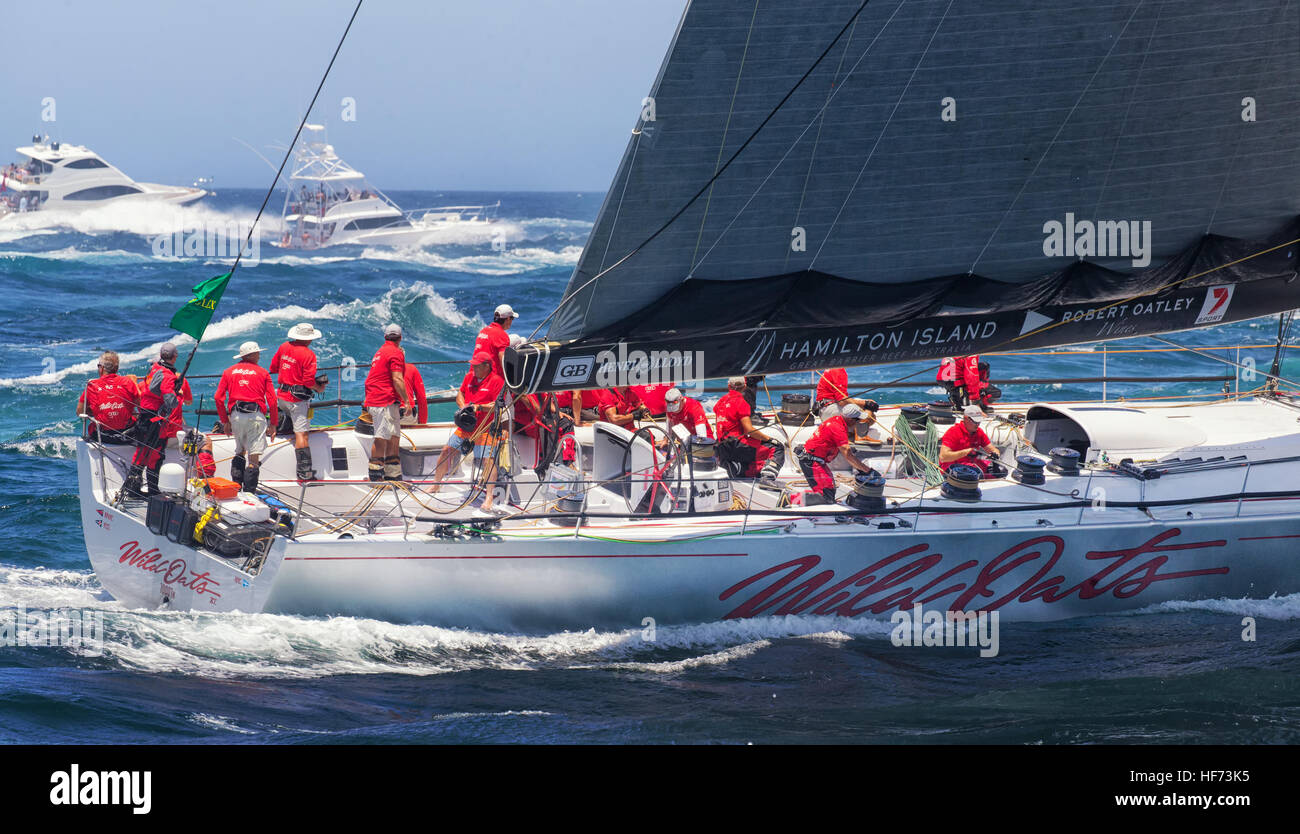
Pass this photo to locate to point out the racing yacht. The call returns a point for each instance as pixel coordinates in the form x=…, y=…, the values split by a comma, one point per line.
x=868, y=186
x=328, y=203
x=53, y=176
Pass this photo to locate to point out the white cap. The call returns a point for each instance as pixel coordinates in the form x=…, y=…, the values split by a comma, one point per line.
x=392, y=330
x=505, y=310
x=974, y=412
x=304, y=332
x=673, y=400
x=247, y=348
x=736, y=382
x=851, y=412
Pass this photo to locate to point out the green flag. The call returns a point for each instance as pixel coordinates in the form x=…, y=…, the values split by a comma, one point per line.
x=193, y=318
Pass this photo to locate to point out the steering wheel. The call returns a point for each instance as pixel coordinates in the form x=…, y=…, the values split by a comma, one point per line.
x=666, y=476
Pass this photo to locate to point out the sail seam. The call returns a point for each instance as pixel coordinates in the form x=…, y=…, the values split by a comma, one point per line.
x=881, y=135
x=726, y=128
x=1052, y=143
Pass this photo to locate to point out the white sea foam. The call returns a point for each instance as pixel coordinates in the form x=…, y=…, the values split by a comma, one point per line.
x=141, y=218
x=508, y=262
x=1273, y=608
x=45, y=588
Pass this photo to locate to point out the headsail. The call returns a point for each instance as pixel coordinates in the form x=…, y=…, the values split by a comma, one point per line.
x=978, y=174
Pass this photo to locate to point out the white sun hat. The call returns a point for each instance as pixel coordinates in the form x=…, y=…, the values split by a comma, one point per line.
x=304, y=332
x=247, y=348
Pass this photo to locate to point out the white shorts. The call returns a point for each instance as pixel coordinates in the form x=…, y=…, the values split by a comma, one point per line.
x=298, y=413
x=385, y=418
x=249, y=430
x=829, y=410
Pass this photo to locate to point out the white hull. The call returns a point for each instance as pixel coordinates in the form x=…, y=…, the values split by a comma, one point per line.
x=1031, y=564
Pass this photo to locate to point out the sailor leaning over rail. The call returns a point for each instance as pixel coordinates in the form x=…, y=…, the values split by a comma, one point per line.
x=294, y=366
x=246, y=401
x=385, y=393
x=744, y=449
x=109, y=401
x=159, y=419
x=829, y=441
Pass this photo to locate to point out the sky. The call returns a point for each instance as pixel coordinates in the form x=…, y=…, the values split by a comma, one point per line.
x=449, y=94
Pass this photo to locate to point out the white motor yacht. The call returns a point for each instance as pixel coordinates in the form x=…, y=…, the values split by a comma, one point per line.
x=330, y=203
x=54, y=176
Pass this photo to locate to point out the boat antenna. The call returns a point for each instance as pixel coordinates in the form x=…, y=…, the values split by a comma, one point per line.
x=248, y=242
x=1283, y=330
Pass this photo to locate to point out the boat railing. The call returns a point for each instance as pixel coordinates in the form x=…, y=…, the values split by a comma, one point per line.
x=486, y=211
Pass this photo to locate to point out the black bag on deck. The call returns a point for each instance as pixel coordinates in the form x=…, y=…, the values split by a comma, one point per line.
x=235, y=541
x=180, y=524
x=157, y=513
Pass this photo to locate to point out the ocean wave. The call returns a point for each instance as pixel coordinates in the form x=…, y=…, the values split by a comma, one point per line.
x=142, y=218
x=508, y=262
x=393, y=305
x=1272, y=608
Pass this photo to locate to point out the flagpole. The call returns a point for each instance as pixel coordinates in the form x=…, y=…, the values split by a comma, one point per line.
x=248, y=241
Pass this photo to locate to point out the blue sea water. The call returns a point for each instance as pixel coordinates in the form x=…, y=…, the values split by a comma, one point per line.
x=1177, y=672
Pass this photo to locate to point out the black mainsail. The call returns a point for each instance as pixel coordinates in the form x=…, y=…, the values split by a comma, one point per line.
x=845, y=183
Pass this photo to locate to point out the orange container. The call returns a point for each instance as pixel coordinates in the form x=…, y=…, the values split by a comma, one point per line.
x=222, y=489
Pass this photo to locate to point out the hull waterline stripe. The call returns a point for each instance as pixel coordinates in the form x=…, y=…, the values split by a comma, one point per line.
x=1261, y=538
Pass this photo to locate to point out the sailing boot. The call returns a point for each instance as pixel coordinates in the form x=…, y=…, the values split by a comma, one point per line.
x=376, y=471
x=131, y=487
x=305, y=472
x=250, y=478
x=237, y=468
x=393, y=468
x=767, y=476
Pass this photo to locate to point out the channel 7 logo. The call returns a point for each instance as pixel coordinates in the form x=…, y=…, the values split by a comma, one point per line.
x=573, y=370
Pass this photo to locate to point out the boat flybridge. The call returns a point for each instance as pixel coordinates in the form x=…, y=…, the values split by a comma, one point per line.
x=328, y=202
x=1109, y=506
x=54, y=176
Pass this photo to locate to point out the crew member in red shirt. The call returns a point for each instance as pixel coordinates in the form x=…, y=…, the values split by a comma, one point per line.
x=110, y=403
x=961, y=376
x=494, y=338
x=246, y=401
x=417, y=404
x=385, y=395
x=833, y=393
x=652, y=397
x=829, y=441
x=963, y=441
x=620, y=406
x=682, y=410
x=159, y=418
x=294, y=367
x=479, y=390
x=583, y=405
x=745, y=449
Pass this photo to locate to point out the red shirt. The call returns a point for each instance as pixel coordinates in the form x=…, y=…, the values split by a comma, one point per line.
x=388, y=360
x=415, y=398
x=825, y=443
x=493, y=339
x=691, y=415
x=294, y=365
x=652, y=396
x=590, y=399
x=481, y=392
x=968, y=374
x=729, y=410
x=246, y=382
x=161, y=380
x=957, y=438
x=833, y=385
x=621, y=400
x=110, y=399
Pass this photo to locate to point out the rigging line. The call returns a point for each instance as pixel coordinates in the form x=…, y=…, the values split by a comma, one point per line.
x=1224, y=361
x=248, y=242
x=1052, y=143
x=726, y=128
x=821, y=123
x=712, y=179
x=1114, y=150
x=881, y=135
x=800, y=137
x=1236, y=145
